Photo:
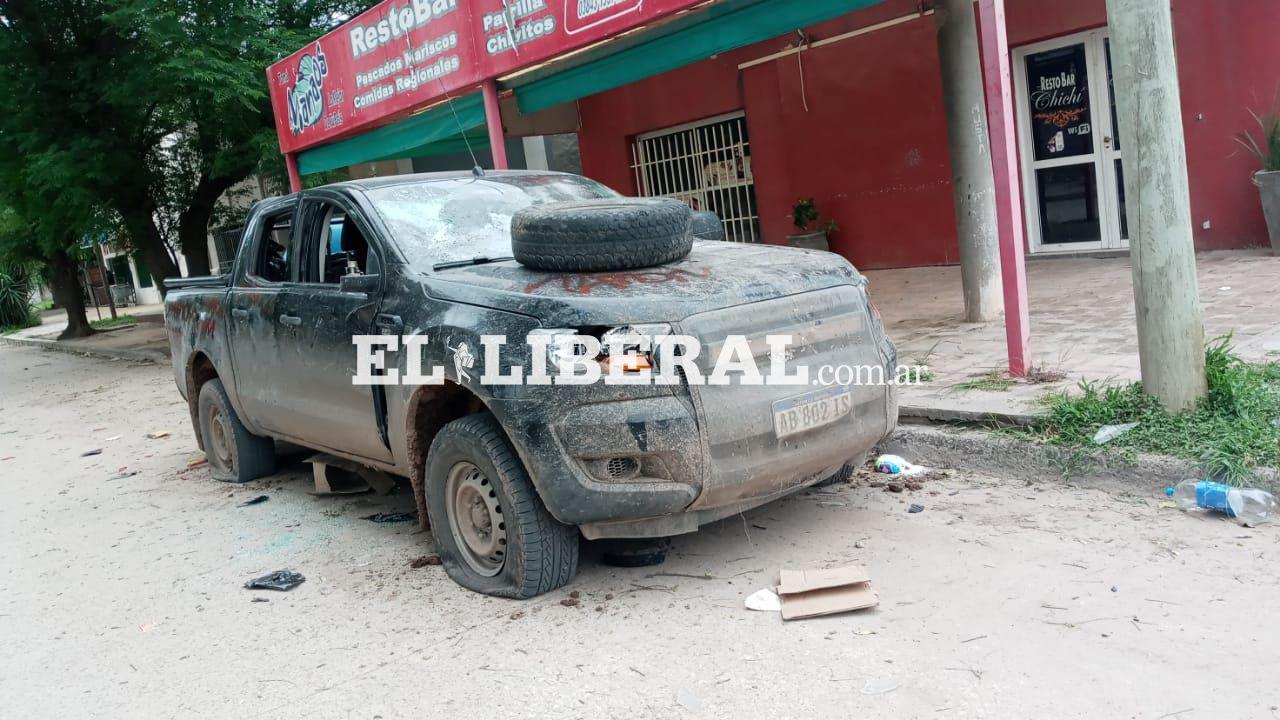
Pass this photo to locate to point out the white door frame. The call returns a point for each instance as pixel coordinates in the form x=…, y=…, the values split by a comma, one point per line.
x=1103, y=156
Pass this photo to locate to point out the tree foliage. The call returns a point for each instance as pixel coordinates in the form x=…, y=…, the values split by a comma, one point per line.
x=133, y=117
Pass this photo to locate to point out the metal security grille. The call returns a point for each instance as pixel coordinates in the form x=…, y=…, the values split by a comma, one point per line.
x=226, y=241
x=708, y=166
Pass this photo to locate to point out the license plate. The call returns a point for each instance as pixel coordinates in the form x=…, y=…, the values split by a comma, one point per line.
x=802, y=413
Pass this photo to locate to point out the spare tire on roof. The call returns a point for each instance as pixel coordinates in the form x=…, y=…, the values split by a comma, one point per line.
x=608, y=234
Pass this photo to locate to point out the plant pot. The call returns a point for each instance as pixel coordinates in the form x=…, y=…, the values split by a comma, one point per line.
x=816, y=240
x=1269, y=188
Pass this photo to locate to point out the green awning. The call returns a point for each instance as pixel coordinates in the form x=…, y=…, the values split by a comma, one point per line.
x=434, y=132
x=685, y=40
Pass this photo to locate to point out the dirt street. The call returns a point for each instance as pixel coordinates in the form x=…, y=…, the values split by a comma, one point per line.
x=124, y=598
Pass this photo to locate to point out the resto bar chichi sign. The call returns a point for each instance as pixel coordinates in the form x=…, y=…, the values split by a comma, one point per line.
x=403, y=54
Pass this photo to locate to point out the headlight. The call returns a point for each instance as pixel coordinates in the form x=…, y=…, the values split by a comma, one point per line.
x=632, y=347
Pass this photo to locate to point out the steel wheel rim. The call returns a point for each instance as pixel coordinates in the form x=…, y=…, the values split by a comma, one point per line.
x=219, y=439
x=475, y=519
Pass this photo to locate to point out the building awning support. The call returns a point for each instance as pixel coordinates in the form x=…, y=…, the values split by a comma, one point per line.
x=291, y=165
x=1004, y=160
x=493, y=120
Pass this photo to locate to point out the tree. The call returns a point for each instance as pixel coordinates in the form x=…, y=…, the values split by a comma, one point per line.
x=211, y=56
x=154, y=107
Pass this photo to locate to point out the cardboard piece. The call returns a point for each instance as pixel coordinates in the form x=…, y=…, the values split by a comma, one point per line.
x=810, y=593
x=339, y=476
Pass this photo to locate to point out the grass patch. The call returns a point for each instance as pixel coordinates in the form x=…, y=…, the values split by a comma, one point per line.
x=109, y=323
x=994, y=381
x=1230, y=432
x=920, y=369
x=42, y=306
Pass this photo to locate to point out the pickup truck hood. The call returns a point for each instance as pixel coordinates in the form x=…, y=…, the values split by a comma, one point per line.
x=714, y=275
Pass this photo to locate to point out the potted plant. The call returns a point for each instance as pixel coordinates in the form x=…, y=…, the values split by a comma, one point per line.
x=1266, y=148
x=812, y=234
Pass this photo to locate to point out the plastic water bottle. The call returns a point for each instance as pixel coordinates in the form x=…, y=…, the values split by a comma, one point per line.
x=1248, y=505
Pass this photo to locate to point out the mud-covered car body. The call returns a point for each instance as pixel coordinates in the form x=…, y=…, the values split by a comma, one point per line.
x=683, y=455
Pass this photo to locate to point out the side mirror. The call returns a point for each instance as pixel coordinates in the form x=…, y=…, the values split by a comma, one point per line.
x=360, y=284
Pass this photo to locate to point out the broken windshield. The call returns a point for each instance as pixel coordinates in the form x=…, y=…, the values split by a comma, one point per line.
x=456, y=219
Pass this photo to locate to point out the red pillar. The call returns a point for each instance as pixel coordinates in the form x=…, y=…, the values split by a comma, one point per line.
x=295, y=179
x=1004, y=159
x=493, y=118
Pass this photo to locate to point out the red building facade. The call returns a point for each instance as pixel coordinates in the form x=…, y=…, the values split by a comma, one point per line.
x=856, y=122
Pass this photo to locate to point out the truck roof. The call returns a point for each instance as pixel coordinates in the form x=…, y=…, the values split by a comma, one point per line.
x=392, y=180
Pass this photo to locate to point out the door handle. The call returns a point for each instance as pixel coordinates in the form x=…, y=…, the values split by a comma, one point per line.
x=290, y=320
x=389, y=324
x=240, y=313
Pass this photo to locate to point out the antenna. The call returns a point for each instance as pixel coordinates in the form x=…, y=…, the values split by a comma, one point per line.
x=475, y=169
x=509, y=19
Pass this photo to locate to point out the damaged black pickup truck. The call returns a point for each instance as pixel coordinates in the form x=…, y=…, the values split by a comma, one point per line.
x=509, y=476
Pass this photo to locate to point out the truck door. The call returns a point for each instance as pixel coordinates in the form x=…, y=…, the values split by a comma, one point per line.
x=264, y=266
x=320, y=320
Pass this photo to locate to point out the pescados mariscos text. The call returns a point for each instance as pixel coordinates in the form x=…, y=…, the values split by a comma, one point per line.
x=565, y=358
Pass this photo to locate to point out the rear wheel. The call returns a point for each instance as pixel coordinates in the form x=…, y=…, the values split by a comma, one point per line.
x=234, y=453
x=492, y=532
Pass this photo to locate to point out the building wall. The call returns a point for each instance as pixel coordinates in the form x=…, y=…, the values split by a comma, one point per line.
x=871, y=145
x=1229, y=63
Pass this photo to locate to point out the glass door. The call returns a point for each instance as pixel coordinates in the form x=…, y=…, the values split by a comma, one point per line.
x=1072, y=175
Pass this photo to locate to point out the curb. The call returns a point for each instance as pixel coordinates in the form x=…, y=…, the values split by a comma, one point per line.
x=149, y=356
x=978, y=451
x=945, y=415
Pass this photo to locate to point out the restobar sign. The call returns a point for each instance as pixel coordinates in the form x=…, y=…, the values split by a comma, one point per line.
x=1058, y=89
x=403, y=54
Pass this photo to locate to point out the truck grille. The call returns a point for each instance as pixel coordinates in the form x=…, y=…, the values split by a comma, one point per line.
x=828, y=327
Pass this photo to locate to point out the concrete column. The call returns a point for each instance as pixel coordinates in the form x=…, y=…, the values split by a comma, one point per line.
x=1162, y=249
x=972, y=182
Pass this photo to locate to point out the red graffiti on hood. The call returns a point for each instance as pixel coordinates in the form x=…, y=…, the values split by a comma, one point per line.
x=586, y=283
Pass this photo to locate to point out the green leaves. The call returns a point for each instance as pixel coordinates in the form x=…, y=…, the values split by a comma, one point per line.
x=140, y=113
x=15, y=296
x=1266, y=146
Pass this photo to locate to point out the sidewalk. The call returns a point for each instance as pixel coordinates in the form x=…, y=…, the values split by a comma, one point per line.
x=1083, y=327
x=144, y=341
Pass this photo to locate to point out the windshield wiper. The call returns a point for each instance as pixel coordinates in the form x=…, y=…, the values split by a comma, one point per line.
x=468, y=263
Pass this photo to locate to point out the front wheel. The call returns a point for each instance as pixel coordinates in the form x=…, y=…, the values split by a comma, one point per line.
x=491, y=530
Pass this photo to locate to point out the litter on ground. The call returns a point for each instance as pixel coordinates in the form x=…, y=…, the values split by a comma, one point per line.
x=763, y=600
x=1107, y=433
x=810, y=593
x=282, y=580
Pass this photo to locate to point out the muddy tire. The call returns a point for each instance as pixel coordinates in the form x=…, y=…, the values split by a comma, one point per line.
x=845, y=473
x=635, y=553
x=596, y=235
x=234, y=453
x=491, y=530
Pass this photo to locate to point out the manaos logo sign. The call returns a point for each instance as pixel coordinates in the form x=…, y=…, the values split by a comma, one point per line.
x=306, y=97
